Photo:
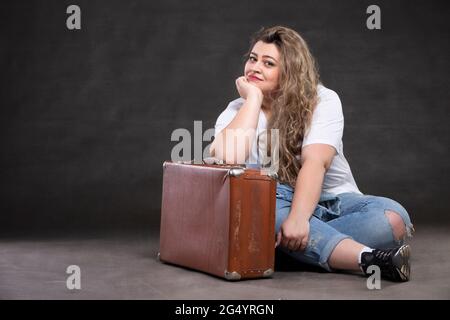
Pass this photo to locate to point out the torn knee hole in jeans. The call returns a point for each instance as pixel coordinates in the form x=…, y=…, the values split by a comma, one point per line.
x=399, y=228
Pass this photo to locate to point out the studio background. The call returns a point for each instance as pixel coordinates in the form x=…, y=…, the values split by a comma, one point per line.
x=87, y=115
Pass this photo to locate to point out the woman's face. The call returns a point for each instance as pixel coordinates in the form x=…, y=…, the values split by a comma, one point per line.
x=263, y=66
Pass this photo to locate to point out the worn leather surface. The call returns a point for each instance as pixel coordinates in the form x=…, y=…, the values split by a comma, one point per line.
x=214, y=222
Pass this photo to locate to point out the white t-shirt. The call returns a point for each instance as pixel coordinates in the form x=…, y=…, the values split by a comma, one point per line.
x=327, y=127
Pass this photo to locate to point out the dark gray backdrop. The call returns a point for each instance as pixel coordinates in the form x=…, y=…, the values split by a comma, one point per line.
x=86, y=116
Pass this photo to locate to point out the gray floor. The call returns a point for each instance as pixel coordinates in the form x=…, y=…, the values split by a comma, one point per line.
x=125, y=267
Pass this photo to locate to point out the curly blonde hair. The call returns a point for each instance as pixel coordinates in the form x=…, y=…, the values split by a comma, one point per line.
x=294, y=100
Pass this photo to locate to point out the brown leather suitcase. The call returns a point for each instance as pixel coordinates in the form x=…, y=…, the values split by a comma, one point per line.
x=218, y=219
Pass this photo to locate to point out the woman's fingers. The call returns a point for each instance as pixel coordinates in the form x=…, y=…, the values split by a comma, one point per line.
x=295, y=235
x=278, y=241
x=240, y=85
x=240, y=79
x=294, y=244
x=291, y=245
x=297, y=246
x=303, y=244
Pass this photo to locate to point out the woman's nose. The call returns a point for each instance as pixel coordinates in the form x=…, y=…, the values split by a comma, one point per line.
x=256, y=67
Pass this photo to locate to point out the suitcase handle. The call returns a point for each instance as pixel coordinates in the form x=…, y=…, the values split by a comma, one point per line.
x=213, y=161
x=234, y=170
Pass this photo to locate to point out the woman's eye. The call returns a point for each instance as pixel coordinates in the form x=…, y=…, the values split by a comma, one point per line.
x=268, y=63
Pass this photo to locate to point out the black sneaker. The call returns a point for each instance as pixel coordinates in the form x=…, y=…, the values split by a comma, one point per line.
x=394, y=263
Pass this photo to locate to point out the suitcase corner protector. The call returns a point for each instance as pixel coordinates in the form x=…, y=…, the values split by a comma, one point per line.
x=236, y=171
x=232, y=275
x=268, y=273
x=273, y=175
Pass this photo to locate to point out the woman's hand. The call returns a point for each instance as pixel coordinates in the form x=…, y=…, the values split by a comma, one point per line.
x=294, y=233
x=246, y=89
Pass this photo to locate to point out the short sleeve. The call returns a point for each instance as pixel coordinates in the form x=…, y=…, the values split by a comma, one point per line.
x=227, y=116
x=327, y=125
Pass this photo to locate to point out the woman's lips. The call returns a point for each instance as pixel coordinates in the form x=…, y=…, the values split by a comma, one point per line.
x=254, y=78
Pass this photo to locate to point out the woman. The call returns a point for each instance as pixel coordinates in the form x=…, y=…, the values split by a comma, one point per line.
x=322, y=218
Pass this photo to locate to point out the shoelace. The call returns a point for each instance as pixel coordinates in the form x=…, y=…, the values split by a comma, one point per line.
x=383, y=255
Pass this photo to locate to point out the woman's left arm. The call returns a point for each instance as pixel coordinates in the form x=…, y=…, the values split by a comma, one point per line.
x=315, y=160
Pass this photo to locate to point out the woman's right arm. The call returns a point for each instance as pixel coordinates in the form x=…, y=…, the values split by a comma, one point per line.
x=233, y=144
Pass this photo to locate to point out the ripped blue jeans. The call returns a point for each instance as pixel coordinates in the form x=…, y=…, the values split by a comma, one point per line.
x=343, y=216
